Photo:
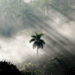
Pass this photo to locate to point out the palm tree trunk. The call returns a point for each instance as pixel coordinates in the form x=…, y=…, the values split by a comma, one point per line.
x=37, y=51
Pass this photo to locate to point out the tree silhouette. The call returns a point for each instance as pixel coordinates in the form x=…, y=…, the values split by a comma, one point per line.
x=38, y=42
x=8, y=69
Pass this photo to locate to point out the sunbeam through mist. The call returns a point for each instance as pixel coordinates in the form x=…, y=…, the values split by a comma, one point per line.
x=20, y=19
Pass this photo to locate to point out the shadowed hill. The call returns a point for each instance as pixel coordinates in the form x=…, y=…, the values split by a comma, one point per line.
x=8, y=69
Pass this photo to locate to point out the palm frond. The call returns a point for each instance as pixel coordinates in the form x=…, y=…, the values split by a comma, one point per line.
x=42, y=41
x=41, y=45
x=33, y=36
x=34, y=44
x=32, y=40
x=41, y=34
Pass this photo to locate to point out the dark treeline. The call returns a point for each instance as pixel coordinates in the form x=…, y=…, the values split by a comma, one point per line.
x=55, y=66
x=7, y=68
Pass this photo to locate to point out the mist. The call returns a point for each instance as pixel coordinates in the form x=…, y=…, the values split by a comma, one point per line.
x=20, y=19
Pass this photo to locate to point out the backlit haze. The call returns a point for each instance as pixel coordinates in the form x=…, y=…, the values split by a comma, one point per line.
x=19, y=19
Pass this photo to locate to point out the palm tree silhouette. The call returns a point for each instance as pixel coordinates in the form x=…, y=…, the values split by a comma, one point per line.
x=37, y=41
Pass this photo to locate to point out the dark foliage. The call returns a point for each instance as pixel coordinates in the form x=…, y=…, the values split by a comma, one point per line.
x=8, y=69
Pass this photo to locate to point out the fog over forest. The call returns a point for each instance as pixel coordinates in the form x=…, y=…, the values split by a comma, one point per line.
x=20, y=19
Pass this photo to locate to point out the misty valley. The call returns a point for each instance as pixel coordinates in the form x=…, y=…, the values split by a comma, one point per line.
x=37, y=37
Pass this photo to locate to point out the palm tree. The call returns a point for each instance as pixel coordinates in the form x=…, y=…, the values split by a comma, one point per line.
x=37, y=41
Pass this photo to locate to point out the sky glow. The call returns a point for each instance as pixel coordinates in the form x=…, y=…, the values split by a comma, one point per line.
x=27, y=1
